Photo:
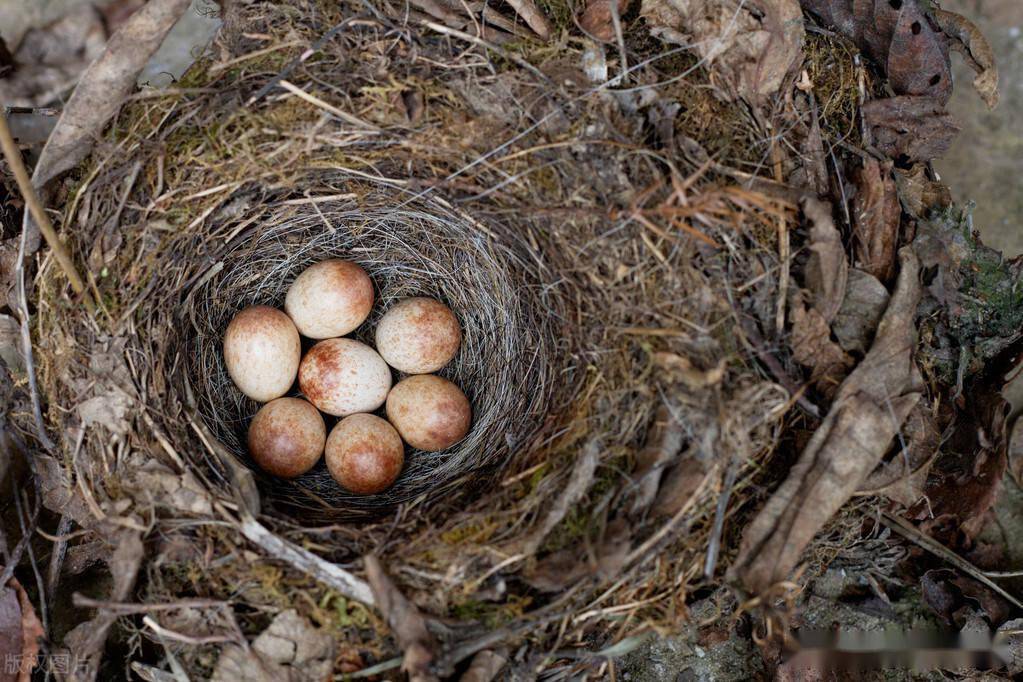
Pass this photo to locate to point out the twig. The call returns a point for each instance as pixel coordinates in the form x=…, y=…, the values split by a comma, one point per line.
x=187, y=639
x=126, y=608
x=329, y=108
x=462, y=35
x=906, y=530
x=57, y=557
x=616, y=23
x=329, y=574
x=714, y=545
x=14, y=160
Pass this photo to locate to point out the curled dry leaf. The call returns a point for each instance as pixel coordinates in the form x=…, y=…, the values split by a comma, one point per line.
x=827, y=268
x=405, y=621
x=956, y=597
x=864, y=418
x=289, y=650
x=486, y=665
x=971, y=43
x=663, y=443
x=875, y=216
x=750, y=47
x=910, y=128
x=596, y=19
x=682, y=370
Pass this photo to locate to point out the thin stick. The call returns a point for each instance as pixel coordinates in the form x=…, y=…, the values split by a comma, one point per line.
x=13, y=156
x=907, y=531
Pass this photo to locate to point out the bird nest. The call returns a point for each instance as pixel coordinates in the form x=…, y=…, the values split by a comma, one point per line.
x=601, y=279
x=410, y=247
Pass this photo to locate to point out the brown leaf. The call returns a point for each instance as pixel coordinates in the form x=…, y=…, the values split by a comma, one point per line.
x=596, y=19
x=903, y=477
x=663, y=443
x=682, y=369
x=965, y=483
x=86, y=641
x=971, y=43
x=910, y=128
x=918, y=194
x=486, y=665
x=405, y=621
x=104, y=86
x=875, y=215
x=812, y=347
x=749, y=47
x=20, y=631
x=861, y=311
x=827, y=268
x=866, y=415
x=1015, y=451
x=562, y=569
x=946, y=592
x=578, y=484
x=837, y=14
x=289, y=650
x=918, y=61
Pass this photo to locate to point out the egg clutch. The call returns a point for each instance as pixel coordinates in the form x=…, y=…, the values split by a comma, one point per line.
x=345, y=378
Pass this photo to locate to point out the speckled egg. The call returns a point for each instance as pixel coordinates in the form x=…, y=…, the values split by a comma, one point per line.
x=429, y=412
x=262, y=350
x=342, y=377
x=418, y=335
x=286, y=437
x=330, y=298
x=364, y=454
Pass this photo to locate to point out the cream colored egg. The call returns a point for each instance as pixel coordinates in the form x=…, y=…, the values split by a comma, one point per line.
x=418, y=336
x=342, y=377
x=286, y=437
x=330, y=298
x=364, y=454
x=262, y=350
x=429, y=412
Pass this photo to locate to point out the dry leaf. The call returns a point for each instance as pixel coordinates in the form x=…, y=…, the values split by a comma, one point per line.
x=861, y=311
x=910, y=128
x=289, y=650
x=405, y=621
x=86, y=641
x=918, y=194
x=562, y=569
x=486, y=665
x=681, y=369
x=827, y=268
x=812, y=347
x=596, y=19
x=918, y=61
x=971, y=43
x=749, y=47
x=20, y=631
x=100, y=92
x=903, y=477
x=663, y=443
x=578, y=484
x=864, y=418
x=875, y=215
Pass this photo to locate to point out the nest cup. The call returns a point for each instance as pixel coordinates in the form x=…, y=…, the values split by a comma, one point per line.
x=409, y=247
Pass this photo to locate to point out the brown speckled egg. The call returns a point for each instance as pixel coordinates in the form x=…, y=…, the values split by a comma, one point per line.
x=262, y=350
x=330, y=298
x=342, y=377
x=429, y=412
x=418, y=336
x=364, y=454
x=286, y=437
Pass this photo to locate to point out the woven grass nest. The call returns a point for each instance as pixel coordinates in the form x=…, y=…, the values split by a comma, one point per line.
x=410, y=247
x=585, y=331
